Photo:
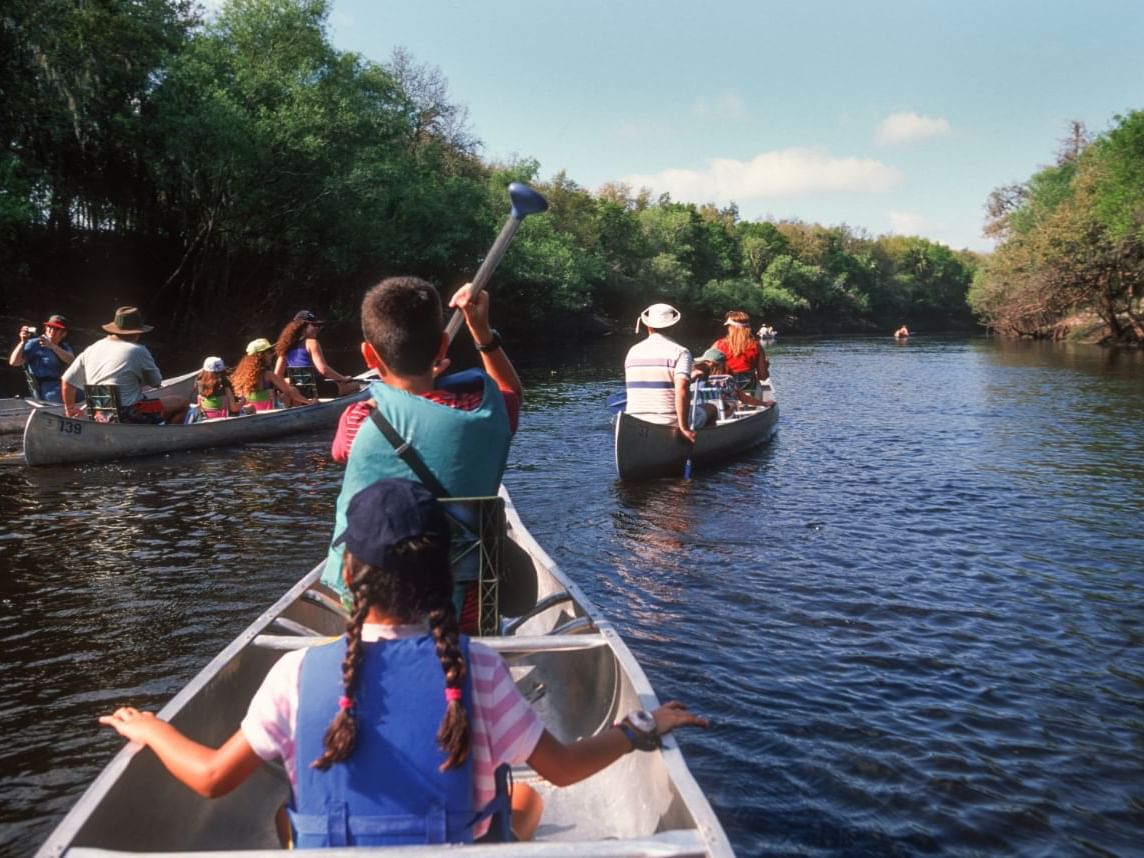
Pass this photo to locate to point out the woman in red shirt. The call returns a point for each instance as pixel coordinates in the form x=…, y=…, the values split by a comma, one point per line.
x=744, y=354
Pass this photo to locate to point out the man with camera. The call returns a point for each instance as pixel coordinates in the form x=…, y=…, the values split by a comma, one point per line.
x=44, y=357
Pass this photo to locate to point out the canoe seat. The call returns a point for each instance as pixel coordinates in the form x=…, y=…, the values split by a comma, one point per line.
x=102, y=402
x=305, y=379
x=477, y=555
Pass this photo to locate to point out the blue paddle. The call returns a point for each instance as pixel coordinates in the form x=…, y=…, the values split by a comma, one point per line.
x=525, y=201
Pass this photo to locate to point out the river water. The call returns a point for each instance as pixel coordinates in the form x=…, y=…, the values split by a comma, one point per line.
x=915, y=617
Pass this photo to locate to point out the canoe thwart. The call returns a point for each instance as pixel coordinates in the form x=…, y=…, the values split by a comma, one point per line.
x=523, y=644
x=296, y=627
x=541, y=606
x=325, y=601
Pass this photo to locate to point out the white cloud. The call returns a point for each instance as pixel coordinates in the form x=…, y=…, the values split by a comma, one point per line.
x=783, y=173
x=908, y=127
x=729, y=105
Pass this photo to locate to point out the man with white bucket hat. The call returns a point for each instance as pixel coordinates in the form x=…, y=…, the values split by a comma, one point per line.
x=657, y=373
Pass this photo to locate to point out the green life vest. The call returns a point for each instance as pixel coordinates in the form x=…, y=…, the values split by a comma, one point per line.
x=465, y=450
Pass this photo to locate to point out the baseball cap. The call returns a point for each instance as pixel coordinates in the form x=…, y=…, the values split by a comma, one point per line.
x=388, y=513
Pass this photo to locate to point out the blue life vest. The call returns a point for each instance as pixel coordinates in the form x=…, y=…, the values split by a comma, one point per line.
x=299, y=356
x=46, y=367
x=465, y=450
x=390, y=790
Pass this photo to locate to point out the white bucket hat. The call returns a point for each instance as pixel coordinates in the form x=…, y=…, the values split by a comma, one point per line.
x=658, y=316
x=213, y=364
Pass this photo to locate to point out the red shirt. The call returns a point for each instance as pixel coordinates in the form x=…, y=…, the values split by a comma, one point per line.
x=358, y=413
x=743, y=362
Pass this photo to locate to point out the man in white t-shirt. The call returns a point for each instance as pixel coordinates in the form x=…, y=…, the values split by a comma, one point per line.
x=657, y=373
x=118, y=359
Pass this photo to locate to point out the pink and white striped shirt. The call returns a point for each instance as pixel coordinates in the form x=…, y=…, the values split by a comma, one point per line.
x=505, y=729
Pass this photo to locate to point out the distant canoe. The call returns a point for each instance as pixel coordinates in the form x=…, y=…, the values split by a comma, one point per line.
x=52, y=439
x=14, y=410
x=14, y=413
x=646, y=451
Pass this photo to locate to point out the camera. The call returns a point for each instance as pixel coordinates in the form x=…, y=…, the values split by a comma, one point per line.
x=31, y=331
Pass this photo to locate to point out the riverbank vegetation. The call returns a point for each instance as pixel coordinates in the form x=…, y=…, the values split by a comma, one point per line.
x=1071, y=242
x=240, y=167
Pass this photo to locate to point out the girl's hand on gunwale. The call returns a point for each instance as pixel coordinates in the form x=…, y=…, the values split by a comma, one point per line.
x=130, y=723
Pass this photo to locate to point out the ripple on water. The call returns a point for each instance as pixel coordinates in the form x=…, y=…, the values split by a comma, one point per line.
x=913, y=617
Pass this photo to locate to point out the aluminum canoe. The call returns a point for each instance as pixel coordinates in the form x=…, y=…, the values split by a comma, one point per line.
x=646, y=451
x=52, y=439
x=566, y=659
x=14, y=410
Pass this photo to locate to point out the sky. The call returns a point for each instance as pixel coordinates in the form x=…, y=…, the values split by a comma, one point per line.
x=891, y=116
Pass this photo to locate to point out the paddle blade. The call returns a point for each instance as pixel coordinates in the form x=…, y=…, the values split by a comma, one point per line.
x=618, y=401
x=525, y=201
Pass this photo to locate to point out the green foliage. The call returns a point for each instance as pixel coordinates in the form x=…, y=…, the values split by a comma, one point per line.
x=1117, y=162
x=243, y=167
x=1073, y=242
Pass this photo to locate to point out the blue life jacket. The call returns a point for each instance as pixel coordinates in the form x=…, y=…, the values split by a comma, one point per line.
x=465, y=450
x=299, y=356
x=390, y=790
x=46, y=368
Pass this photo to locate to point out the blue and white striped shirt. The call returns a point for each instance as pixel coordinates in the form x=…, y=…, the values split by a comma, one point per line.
x=650, y=371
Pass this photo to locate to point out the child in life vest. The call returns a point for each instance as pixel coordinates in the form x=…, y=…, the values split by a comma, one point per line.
x=328, y=711
x=215, y=396
x=255, y=380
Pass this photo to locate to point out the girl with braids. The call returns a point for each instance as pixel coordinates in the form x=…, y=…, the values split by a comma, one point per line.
x=745, y=357
x=395, y=732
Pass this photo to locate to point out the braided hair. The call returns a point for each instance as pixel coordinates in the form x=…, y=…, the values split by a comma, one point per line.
x=417, y=583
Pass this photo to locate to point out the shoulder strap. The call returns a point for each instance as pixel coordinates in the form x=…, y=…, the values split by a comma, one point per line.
x=407, y=454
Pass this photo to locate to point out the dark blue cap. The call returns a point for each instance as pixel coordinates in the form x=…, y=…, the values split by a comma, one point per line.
x=387, y=513
x=307, y=316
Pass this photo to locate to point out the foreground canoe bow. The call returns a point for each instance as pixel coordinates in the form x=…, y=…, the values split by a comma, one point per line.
x=569, y=662
x=52, y=439
x=646, y=451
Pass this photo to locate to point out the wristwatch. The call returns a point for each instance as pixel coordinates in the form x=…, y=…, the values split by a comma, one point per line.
x=639, y=727
x=492, y=345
